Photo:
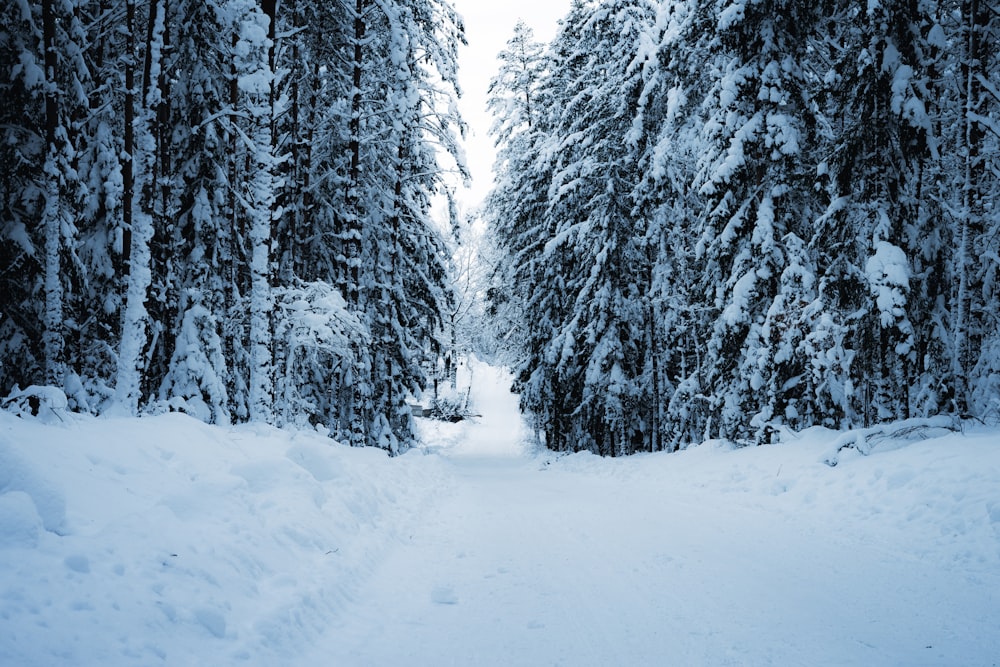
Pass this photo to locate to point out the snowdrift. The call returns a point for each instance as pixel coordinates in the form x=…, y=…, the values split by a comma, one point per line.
x=165, y=541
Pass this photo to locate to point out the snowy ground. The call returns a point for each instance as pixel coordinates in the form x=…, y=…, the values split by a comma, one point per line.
x=163, y=541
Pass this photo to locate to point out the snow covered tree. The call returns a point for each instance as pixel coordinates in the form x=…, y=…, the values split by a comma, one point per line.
x=465, y=321
x=515, y=205
x=100, y=253
x=195, y=281
x=195, y=382
x=318, y=336
x=53, y=343
x=22, y=150
x=587, y=381
x=974, y=324
x=878, y=218
x=513, y=91
x=45, y=104
x=753, y=184
x=517, y=211
x=396, y=276
x=140, y=149
x=664, y=196
x=256, y=72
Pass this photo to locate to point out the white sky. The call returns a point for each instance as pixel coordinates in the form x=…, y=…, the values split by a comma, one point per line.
x=488, y=26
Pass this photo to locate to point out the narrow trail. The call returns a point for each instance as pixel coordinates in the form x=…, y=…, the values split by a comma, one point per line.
x=523, y=563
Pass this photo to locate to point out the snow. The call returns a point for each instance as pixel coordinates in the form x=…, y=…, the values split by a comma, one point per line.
x=166, y=541
x=732, y=15
x=737, y=312
x=735, y=155
x=28, y=69
x=888, y=273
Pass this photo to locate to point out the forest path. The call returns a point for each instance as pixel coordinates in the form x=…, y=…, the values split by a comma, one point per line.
x=523, y=562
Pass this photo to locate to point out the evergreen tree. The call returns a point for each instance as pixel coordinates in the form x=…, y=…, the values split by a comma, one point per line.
x=197, y=279
x=976, y=307
x=22, y=149
x=403, y=275
x=515, y=205
x=518, y=212
x=141, y=149
x=878, y=218
x=513, y=91
x=43, y=44
x=753, y=185
x=588, y=383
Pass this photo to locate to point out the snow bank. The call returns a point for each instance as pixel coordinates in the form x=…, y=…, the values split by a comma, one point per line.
x=935, y=499
x=890, y=558
x=165, y=541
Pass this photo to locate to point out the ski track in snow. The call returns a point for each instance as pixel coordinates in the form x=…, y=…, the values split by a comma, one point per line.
x=162, y=541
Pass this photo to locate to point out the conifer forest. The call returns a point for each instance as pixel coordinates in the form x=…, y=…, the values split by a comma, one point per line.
x=738, y=218
x=711, y=219
x=222, y=206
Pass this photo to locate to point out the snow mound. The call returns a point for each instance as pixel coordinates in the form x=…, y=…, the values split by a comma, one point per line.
x=17, y=476
x=165, y=541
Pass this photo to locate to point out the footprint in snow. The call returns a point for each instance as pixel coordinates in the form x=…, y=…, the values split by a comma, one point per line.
x=444, y=595
x=78, y=563
x=993, y=509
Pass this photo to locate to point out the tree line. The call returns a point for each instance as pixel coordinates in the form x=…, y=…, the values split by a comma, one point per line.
x=732, y=218
x=223, y=207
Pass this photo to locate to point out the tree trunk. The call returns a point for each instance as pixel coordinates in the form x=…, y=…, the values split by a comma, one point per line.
x=262, y=217
x=53, y=341
x=353, y=232
x=128, y=159
x=128, y=388
x=971, y=213
x=287, y=267
x=361, y=392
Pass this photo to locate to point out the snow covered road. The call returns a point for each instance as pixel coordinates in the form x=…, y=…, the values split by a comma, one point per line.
x=529, y=560
x=163, y=541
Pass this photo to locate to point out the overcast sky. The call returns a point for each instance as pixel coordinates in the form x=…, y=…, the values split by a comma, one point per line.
x=488, y=26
